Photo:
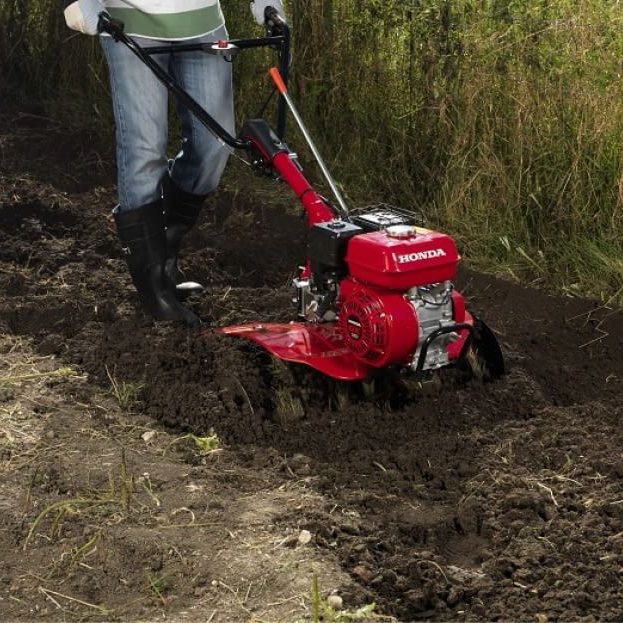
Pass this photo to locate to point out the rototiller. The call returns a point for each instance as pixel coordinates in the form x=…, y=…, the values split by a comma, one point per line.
x=376, y=292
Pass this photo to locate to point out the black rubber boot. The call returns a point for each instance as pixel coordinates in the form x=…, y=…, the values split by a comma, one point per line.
x=181, y=211
x=141, y=232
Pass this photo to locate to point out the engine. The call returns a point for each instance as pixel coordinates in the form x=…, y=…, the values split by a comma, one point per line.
x=389, y=289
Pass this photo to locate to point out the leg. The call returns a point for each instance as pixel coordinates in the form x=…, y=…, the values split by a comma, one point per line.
x=199, y=165
x=140, y=104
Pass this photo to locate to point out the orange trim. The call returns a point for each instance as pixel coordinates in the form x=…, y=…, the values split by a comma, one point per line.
x=278, y=80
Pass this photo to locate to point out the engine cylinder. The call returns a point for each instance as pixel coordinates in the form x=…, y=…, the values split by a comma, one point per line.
x=380, y=327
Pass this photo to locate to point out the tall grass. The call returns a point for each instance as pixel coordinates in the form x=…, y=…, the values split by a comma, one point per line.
x=502, y=119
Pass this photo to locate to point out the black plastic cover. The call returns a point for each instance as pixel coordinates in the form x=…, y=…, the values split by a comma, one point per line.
x=262, y=137
x=328, y=243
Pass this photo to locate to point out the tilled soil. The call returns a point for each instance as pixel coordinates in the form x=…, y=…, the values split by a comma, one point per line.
x=469, y=501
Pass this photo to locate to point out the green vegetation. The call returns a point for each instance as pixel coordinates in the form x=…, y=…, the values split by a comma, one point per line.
x=203, y=445
x=126, y=394
x=502, y=120
x=323, y=611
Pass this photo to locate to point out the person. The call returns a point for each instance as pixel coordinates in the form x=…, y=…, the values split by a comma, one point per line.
x=160, y=200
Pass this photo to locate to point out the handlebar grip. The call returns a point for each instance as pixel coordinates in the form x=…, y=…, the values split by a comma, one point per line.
x=273, y=18
x=113, y=27
x=278, y=80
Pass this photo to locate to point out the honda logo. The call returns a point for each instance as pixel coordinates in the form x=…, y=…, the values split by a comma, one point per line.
x=407, y=258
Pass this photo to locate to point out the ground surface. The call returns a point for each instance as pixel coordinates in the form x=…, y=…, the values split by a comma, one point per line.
x=502, y=501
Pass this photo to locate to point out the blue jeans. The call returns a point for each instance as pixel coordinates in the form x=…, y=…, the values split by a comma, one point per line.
x=140, y=104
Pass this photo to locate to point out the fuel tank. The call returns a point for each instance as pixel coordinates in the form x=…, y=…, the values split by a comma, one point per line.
x=402, y=257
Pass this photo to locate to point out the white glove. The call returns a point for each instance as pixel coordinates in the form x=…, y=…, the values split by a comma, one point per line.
x=259, y=6
x=83, y=16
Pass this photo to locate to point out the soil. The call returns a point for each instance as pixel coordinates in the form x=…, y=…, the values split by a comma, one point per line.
x=467, y=501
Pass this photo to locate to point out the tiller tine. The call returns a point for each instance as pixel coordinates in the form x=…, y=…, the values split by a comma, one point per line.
x=319, y=346
x=487, y=349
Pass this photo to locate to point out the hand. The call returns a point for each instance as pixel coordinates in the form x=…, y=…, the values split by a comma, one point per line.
x=258, y=8
x=83, y=16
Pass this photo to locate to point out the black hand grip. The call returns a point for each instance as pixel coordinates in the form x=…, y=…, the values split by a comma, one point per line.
x=274, y=20
x=113, y=27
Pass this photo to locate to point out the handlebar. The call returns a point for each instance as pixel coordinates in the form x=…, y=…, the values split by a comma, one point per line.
x=274, y=22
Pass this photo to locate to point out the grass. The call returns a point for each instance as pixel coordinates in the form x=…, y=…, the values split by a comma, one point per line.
x=127, y=394
x=116, y=499
x=288, y=405
x=159, y=585
x=204, y=445
x=502, y=121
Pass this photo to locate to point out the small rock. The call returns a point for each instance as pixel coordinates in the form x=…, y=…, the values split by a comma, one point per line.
x=148, y=436
x=6, y=394
x=300, y=464
x=51, y=344
x=365, y=574
x=304, y=537
x=106, y=311
x=463, y=576
x=335, y=602
x=351, y=529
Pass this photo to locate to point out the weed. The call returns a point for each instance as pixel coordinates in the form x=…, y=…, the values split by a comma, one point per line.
x=62, y=508
x=122, y=488
x=205, y=445
x=476, y=365
x=159, y=585
x=118, y=496
x=60, y=373
x=208, y=444
x=322, y=611
x=288, y=405
x=126, y=394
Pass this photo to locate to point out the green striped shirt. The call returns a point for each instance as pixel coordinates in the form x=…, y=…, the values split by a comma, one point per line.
x=170, y=20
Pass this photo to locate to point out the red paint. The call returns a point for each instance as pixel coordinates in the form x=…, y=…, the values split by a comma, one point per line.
x=320, y=346
x=379, y=326
x=315, y=206
x=400, y=264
